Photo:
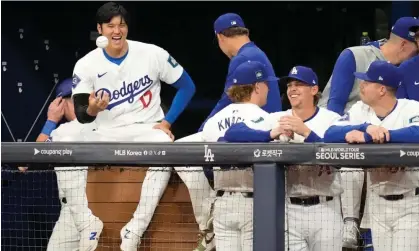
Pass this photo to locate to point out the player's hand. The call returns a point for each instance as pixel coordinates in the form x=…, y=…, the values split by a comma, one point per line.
x=22, y=169
x=56, y=110
x=355, y=136
x=379, y=134
x=165, y=127
x=294, y=124
x=97, y=103
x=278, y=130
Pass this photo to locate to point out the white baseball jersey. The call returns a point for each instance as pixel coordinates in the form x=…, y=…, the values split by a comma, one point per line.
x=405, y=114
x=133, y=86
x=309, y=180
x=234, y=180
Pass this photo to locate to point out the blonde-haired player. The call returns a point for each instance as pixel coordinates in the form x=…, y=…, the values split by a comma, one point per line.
x=313, y=207
x=233, y=207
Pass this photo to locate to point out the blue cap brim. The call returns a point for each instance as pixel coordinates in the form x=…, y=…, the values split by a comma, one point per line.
x=271, y=78
x=287, y=78
x=363, y=76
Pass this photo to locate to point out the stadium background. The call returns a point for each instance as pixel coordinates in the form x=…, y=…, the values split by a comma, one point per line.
x=311, y=34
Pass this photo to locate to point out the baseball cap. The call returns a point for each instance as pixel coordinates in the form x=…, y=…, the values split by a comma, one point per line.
x=383, y=73
x=226, y=21
x=405, y=28
x=303, y=74
x=251, y=72
x=64, y=88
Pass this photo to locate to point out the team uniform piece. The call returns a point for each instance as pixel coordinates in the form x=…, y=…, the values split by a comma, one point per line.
x=77, y=228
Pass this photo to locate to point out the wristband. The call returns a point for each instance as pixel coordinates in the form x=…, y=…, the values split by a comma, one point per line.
x=48, y=127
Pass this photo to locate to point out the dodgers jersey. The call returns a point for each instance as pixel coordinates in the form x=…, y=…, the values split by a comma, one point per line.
x=405, y=114
x=235, y=180
x=309, y=180
x=133, y=86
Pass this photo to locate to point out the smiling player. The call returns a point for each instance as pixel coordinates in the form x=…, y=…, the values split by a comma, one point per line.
x=118, y=87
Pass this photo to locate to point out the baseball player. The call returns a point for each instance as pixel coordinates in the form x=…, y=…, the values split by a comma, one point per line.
x=313, y=207
x=76, y=219
x=233, y=40
x=392, y=204
x=118, y=87
x=233, y=208
x=342, y=91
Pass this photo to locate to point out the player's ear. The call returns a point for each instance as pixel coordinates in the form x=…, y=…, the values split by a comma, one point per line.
x=99, y=28
x=314, y=90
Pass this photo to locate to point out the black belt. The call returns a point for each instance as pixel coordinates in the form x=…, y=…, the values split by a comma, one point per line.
x=310, y=201
x=394, y=197
x=220, y=193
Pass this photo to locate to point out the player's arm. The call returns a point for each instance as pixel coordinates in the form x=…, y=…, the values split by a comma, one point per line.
x=241, y=132
x=172, y=73
x=342, y=81
x=256, y=129
x=54, y=115
x=408, y=134
x=352, y=120
x=82, y=90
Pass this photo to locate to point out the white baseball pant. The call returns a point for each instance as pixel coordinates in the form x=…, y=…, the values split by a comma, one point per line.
x=75, y=214
x=394, y=224
x=352, y=182
x=233, y=222
x=315, y=228
x=65, y=235
x=155, y=183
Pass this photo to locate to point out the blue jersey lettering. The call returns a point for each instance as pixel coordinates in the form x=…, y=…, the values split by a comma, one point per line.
x=227, y=122
x=127, y=91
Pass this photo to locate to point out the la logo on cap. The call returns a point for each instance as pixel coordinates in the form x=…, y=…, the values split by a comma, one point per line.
x=314, y=81
x=294, y=71
x=380, y=78
x=233, y=23
x=259, y=74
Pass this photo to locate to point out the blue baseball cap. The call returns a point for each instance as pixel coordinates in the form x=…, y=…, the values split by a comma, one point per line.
x=226, y=21
x=406, y=27
x=303, y=74
x=382, y=72
x=250, y=72
x=64, y=88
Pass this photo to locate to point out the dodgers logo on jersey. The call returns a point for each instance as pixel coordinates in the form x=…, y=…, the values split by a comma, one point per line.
x=127, y=91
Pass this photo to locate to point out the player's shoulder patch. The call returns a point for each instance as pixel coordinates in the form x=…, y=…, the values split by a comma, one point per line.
x=414, y=119
x=172, y=61
x=76, y=80
x=260, y=119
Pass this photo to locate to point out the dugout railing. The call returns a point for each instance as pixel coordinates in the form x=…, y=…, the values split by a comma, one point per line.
x=267, y=159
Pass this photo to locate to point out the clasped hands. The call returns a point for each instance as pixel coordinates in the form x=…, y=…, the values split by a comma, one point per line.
x=378, y=134
x=288, y=125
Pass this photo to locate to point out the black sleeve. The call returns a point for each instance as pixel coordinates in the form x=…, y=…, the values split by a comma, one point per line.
x=81, y=102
